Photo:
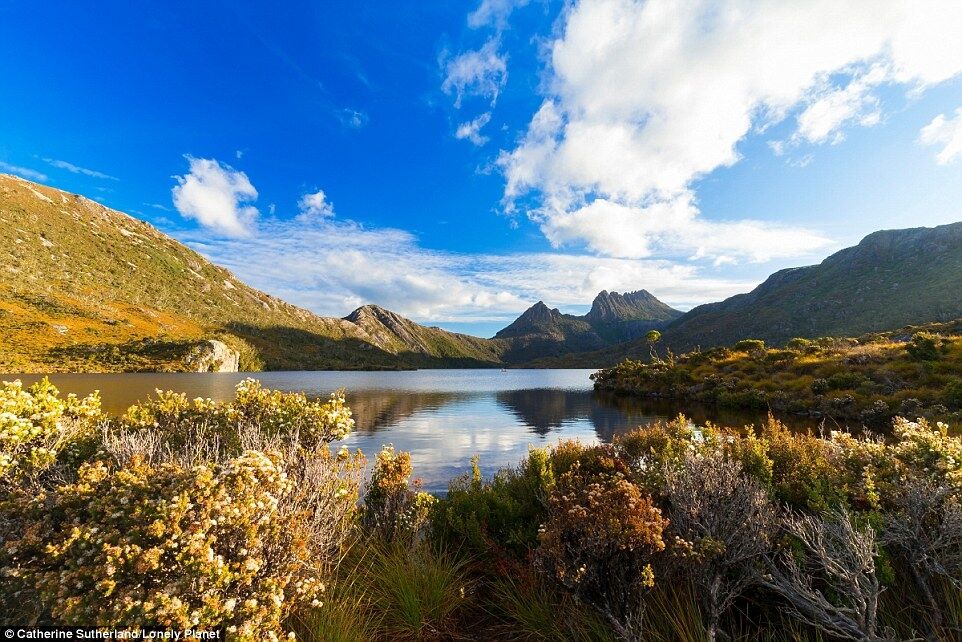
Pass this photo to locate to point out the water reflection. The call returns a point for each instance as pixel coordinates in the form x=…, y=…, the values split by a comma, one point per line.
x=443, y=417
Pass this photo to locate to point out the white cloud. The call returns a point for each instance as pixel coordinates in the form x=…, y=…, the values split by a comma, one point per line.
x=946, y=132
x=493, y=13
x=25, y=172
x=471, y=130
x=829, y=109
x=645, y=98
x=217, y=196
x=482, y=72
x=70, y=167
x=314, y=206
x=332, y=267
x=626, y=231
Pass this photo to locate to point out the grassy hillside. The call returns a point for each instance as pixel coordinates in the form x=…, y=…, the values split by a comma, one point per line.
x=890, y=279
x=87, y=288
x=913, y=372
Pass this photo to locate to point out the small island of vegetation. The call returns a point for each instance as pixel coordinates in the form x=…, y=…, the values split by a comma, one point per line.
x=912, y=372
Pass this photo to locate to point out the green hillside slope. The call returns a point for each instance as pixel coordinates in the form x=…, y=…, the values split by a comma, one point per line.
x=87, y=288
x=890, y=279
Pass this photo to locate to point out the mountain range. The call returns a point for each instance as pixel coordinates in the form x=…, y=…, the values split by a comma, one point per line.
x=87, y=288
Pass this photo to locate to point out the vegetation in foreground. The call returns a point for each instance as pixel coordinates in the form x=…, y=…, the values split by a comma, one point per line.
x=913, y=372
x=240, y=514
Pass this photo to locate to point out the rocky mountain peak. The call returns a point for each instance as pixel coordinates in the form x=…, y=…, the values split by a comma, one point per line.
x=609, y=307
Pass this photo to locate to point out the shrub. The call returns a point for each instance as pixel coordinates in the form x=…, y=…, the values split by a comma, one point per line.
x=926, y=451
x=845, y=381
x=798, y=467
x=37, y=426
x=749, y=345
x=652, y=450
x=599, y=541
x=503, y=515
x=179, y=515
x=725, y=520
x=231, y=544
x=924, y=346
x=952, y=393
x=831, y=581
x=799, y=344
x=395, y=509
x=271, y=413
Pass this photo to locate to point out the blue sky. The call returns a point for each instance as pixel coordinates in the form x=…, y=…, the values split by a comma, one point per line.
x=459, y=161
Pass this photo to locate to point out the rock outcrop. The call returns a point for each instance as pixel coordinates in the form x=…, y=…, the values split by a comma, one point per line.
x=214, y=356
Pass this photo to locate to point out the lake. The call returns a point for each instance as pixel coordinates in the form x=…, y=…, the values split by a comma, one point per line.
x=443, y=417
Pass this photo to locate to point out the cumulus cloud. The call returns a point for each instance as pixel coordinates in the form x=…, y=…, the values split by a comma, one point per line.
x=314, y=206
x=482, y=72
x=946, y=132
x=645, y=98
x=333, y=266
x=626, y=231
x=24, y=172
x=217, y=196
x=70, y=167
x=471, y=130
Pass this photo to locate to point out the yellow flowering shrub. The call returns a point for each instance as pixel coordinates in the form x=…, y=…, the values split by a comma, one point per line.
x=36, y=425
x=270, y=412
x=929, y=451
x=228, y=544
x=395, y=508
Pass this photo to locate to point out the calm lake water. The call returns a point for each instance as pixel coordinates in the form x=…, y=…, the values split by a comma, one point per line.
x=443, y=417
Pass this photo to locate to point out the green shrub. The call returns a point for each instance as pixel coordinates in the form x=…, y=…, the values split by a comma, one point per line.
x=952, y=393
x=845, y=381
x=799, y=344
x=749, y=345
x=924, y=346
x=502, y=515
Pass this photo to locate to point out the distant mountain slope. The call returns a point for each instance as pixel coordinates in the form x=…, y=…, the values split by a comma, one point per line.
x=890, y=279
x=87, y=288
x=541, y=332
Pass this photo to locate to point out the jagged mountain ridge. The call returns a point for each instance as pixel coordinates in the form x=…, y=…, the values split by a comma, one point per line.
x=545, y=332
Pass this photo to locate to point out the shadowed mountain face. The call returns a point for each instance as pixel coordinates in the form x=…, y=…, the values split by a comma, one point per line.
x=543, y=332
x=892, y=278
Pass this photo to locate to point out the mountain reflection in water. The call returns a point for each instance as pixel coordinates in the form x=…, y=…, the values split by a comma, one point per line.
x=443, y=417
